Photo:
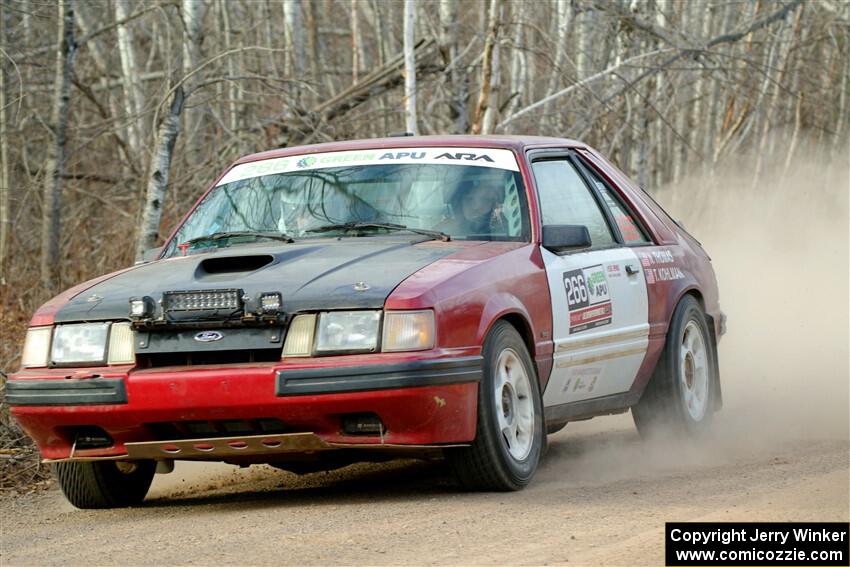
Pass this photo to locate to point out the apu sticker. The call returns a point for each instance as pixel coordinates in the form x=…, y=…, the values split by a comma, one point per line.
x=588, y=299
x=480, y=157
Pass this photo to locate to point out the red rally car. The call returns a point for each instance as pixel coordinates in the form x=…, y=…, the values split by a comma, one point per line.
x=459, y=296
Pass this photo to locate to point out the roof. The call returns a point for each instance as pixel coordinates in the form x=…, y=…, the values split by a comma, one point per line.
x=506, y=142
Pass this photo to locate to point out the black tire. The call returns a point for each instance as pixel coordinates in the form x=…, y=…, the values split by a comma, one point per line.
x=664, y=406
x=487, y=464
x=105, y=484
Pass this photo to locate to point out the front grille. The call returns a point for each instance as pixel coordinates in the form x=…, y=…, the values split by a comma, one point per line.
x=156, y=360
x=174, y=430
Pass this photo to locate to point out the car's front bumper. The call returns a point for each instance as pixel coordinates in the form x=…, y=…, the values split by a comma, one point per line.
x=423, y=400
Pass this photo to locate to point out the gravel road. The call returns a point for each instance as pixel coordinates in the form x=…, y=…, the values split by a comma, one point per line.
x=601, y=498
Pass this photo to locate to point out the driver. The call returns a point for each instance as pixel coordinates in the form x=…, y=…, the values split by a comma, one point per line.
x=477, y=209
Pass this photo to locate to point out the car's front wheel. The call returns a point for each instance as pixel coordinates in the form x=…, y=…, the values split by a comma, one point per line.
x=105, y=484
x=680, y=395
x=510, y=432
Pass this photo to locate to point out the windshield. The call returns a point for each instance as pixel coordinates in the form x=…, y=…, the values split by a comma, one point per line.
x=309, y=198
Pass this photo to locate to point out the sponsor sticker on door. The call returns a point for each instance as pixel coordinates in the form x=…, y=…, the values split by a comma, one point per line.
x=588, y=299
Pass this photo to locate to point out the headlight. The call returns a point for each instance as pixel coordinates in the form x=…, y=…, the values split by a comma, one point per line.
x=36, y=347
x=408, y=330
x=348, y=331
x=80, y=343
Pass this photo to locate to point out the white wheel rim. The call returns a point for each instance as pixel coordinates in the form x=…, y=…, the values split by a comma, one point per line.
x=693, y=371
x=513, y=404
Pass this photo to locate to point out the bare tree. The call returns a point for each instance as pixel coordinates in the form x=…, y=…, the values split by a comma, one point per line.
x=563, y=16
x=486, y=110
x=4, y=152
x=133, y=97
x=192, y=14
x=160, y=167
x=409, y=66
x=55, y=166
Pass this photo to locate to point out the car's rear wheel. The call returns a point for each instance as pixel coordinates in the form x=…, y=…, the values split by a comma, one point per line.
x=105, y=484
x=679, y=398
x=510, y=432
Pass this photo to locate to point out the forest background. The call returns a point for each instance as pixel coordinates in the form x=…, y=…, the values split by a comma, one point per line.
x=116, y=115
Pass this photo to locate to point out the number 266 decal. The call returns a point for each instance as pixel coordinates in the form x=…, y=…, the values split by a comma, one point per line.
x=588, y=300
x=576, y=290
x=587, y=286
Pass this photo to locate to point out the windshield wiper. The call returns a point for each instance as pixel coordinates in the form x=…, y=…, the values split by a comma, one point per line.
x=360, y=225
x=237, y=233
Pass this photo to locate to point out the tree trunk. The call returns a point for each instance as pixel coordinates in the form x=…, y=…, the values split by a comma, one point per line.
x=133, y=97
x=519, y=66
x=409, y=67
x=586, y=43
x=484, y=121
x=784, y=38
x=294, y=38
x=841, y=125
x=51, y=220
x=563, y=14
x=458, y=85
x=233, y=92
x=193, y=17
x=166, y=137
x=4, y=154
x=320, y=81
x=357, y=63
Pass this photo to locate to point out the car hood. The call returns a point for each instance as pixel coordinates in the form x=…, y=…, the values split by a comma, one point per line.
x=349, y=273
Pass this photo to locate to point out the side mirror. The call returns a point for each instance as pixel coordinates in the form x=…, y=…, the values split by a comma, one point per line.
x=560, y=238
x=150, y=254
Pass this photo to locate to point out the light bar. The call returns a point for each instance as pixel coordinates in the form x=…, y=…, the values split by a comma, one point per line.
x=201, y=300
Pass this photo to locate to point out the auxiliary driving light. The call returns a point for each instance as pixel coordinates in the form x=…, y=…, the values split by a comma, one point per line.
x=142, y=308
x=270, y=303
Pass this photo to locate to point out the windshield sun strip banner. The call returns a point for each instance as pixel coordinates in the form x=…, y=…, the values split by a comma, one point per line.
x=479, y=157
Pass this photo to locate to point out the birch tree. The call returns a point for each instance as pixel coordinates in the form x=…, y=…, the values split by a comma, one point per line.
x=133, y=96
x=4, y=152
x=55, y=166
x=192, y=15
x=160, y=168
x=563, y=13
x=410, y=67
x=488, y=96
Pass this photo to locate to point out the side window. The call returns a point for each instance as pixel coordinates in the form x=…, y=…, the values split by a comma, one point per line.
x=565, y=199
x=632, y=233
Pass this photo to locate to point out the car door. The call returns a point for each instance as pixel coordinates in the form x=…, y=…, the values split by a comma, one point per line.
x=599, y=296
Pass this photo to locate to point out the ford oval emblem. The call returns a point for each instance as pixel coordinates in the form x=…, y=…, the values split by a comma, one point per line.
x=208, y=336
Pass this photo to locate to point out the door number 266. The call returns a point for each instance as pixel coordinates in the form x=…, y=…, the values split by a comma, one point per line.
x=576, y=290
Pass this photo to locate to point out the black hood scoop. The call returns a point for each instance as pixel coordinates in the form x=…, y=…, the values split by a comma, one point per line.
x=232, y=265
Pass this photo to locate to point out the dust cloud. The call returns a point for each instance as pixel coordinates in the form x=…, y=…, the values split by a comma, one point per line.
x=780, y=251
